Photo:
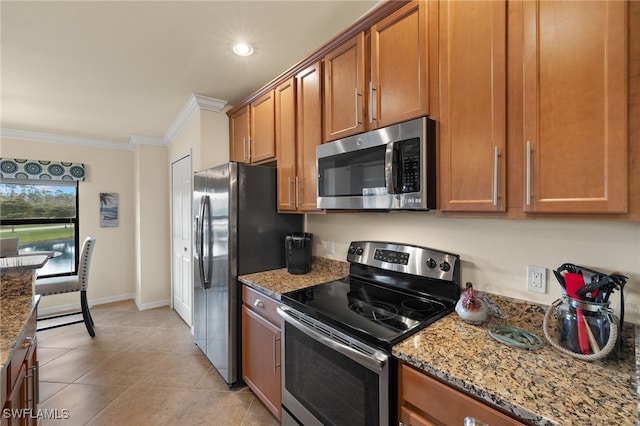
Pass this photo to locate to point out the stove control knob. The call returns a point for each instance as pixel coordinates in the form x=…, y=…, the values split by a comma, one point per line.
x=352, y=250
x=359, y=251
x=444, y=266
x=431, y=263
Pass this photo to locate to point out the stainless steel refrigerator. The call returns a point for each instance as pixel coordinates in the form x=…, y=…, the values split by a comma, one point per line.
x=237, y=231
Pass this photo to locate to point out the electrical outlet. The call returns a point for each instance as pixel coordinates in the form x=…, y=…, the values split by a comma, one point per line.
x=329, y=245
x=537, y=279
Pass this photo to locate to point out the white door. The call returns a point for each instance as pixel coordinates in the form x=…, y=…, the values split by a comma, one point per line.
x=181, y=237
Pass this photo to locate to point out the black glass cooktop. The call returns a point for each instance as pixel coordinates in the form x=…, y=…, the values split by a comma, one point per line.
x=380, y=315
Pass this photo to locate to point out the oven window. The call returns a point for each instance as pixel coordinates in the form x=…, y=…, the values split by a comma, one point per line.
x=352, y=173
x=334, y=388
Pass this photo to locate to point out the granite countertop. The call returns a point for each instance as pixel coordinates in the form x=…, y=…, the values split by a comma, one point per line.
x=14, y=313
x=278, y=281
x=543, y=387
x=17, y=301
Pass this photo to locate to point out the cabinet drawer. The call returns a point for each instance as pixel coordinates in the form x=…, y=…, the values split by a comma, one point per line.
x=24, y=344
x=261, y=304
x=445, y=405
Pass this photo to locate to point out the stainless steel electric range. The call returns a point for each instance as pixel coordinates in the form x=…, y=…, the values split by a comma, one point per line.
x=337, y=336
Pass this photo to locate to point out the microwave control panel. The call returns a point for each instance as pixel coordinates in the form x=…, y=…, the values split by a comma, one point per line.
x=410, y=157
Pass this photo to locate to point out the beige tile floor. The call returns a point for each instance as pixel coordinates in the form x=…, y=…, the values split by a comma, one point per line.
x=141, y=368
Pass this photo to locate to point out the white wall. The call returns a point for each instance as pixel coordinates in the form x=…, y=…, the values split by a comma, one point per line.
x=495, y=253
x=112, y=265
x=153, y=282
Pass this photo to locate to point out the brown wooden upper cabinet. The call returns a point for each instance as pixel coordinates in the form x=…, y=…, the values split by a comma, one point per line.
x=286, y=143
x=253, y=131
x=298, y=132
x=473, y=105
x=558, y=142
x=379, y=77
x=575, y=106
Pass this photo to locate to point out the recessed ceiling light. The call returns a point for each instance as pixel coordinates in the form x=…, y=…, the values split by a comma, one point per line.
x=242, y=49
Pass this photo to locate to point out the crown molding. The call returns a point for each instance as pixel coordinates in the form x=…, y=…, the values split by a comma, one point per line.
x=146, y=140
x=66, y=140
x=193, y=105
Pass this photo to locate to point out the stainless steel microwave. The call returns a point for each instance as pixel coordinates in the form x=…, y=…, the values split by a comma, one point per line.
x=392, y=168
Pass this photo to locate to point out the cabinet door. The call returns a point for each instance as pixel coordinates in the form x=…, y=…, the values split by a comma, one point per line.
x=399, y=76
x=286, y=143
x=443, y=405
x=263, y=135
x=344, y=89
x=239, y=136
x=261, y=358
x=473, y=105
x=575, y=106
x=309, y=110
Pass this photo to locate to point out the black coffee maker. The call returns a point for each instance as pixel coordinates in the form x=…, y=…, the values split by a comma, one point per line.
x=298, y=252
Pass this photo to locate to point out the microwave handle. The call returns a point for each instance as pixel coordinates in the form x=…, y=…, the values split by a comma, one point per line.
x=392, y=169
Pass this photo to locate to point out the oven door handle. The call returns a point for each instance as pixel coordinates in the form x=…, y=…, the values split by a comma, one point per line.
x=373, y=363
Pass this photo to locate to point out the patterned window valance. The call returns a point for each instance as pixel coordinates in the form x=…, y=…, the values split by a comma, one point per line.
x=17, y=168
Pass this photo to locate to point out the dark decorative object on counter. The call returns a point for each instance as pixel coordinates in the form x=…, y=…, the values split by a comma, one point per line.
x=298, y=252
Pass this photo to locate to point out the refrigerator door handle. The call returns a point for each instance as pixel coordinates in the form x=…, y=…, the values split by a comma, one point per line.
x=204, y=205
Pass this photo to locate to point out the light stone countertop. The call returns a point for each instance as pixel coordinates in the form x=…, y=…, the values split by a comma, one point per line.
x=543, y=387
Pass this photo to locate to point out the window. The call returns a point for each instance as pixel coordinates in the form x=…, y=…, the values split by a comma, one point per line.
x=44, y=215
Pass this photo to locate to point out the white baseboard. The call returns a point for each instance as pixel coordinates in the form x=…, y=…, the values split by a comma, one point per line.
x=53, y=310
x=152, y=305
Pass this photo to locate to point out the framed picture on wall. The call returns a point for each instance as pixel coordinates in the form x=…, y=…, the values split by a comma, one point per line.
x=108, y=209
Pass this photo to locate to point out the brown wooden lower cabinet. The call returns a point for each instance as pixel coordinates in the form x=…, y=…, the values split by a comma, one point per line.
x=261, y=348
x=20, y=380
x=426, y=401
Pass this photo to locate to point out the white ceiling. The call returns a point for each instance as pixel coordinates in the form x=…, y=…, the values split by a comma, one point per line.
x=107, y=70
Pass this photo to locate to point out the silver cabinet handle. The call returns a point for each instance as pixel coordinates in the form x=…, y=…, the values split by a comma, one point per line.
x=28, y=342
x=32, y=380
x=496, y=155
x=528, y=175
x=472, y=421
x=258, y=303
x=297, y=192
x=244, y=149
x=249, y=144
x=357, y=109
x=289, y=191
x=276, y=364
x=372, y=103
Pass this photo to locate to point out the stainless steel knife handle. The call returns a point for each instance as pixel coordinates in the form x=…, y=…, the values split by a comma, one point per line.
x=496, y=154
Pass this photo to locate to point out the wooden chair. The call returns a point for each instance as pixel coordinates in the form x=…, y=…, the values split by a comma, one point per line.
x=68, y=284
